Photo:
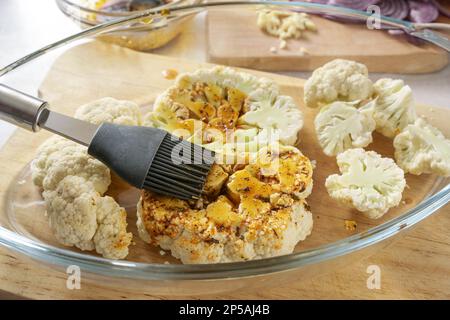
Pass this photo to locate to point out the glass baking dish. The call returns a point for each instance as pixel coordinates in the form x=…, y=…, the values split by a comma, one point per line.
x=136, y=36
x=22, y=218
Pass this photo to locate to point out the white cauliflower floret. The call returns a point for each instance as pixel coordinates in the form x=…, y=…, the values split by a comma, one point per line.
x=421, y=148
x=110, y=110
x=368, y=182
x=341, y=126
x=80, y=217
x=58, y=157
x=48, y=153
x=342, y=80
x=77, y=163
x=281, y=117
x=73, y=184
x=71, y=210
x=394, y=109
x=111, y=238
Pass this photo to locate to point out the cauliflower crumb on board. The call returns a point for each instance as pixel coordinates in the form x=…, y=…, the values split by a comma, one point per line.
x=368, y=182
x=73, y=186
x=169, y=74
x=284, y=24
x=303, y=51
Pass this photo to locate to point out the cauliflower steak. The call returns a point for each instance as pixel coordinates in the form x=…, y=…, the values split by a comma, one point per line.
x=261, y=213
x=219, y=102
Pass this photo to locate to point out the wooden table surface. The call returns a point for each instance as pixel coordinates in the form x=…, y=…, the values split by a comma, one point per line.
x=416, y=266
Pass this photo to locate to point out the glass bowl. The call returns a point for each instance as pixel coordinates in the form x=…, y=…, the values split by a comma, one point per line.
x=136, y=36
x=79, y=69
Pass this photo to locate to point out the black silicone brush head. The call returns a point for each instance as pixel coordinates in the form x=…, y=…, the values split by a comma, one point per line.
x=153, y=159
x=179, y=168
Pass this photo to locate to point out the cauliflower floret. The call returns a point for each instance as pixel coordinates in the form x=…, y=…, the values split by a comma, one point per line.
x=341, y=126
x=77, y=163
x=48, y=153
x=58, y=157
x=421, y=148
x=73, y=184
x=368, y=182
x=111, y=238
x=342, y=80
x=110, y=110
x=394, y=109
x=281, y=117
x=71, y=210
x=80, y=217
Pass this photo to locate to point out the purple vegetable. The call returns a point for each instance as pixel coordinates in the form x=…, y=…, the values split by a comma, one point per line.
x=422, y=11
x=398, y=9
x=443, y=10
x=353, y=4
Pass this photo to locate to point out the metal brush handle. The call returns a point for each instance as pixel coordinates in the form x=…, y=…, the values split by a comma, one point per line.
x=20, y=108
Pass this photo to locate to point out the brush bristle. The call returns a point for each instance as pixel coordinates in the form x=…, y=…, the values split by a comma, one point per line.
x=179, y=169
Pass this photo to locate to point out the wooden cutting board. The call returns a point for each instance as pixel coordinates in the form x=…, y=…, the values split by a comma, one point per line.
x=233, y=38
x=416, y=266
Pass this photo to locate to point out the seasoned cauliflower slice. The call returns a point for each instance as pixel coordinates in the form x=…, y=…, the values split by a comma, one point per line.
x=221, y=100
x=215, y=181
x=252, y=86
x=219, y=233
x=341, y=126
x=110, y=110
x=342, y=80
x=421, y=148
x=394, y=108
x=369, y=183
x=262, y=214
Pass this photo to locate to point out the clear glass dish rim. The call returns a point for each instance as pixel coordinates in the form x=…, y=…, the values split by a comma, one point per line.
x=117, y=14
x=136, y=270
